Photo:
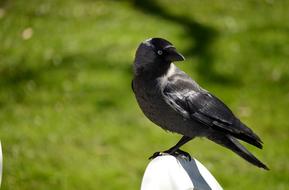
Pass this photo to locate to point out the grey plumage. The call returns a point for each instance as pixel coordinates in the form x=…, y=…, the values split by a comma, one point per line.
x=175, y=102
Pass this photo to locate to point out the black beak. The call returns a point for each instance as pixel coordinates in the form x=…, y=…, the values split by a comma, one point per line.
x=172, y=55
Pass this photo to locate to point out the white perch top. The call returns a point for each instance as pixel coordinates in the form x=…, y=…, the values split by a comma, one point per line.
x=169, y=173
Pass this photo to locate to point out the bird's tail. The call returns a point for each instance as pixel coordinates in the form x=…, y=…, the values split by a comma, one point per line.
x=233, y=144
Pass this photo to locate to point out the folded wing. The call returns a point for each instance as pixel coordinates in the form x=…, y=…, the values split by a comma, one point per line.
x=192, y=102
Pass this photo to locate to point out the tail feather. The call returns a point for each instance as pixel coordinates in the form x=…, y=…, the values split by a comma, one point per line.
x=240, y=131
x=249, y=139
x=249, y=136
x=233, y=144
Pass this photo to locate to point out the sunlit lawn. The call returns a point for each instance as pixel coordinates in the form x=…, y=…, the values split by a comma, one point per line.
x=69, y=120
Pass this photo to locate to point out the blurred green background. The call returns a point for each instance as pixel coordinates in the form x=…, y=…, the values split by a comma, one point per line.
x=68, y=117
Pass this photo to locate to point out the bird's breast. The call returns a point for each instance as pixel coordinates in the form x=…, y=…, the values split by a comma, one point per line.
x=149, y=98
x=153, y=105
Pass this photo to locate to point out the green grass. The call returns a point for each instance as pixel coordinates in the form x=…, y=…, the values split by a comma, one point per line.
x=69, y=120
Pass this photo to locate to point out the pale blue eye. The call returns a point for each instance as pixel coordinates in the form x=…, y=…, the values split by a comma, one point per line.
x=160, y=52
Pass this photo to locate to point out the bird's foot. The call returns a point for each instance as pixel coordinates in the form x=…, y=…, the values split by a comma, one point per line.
x=156, y=154
x=177, y=153
x=182, y=153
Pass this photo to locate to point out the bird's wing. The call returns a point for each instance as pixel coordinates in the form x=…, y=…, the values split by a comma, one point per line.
x=189, y=100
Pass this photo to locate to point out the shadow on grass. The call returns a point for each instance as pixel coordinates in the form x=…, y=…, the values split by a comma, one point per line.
x=22, y=79
x=200, y=36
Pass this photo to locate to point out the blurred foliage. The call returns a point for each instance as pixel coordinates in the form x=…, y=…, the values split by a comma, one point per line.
x=69, y=120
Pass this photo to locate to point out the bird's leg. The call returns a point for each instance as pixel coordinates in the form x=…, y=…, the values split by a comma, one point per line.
x=181, y=142
x=175, y=150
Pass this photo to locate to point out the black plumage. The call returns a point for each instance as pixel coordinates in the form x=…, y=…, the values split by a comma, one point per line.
x=175, y=102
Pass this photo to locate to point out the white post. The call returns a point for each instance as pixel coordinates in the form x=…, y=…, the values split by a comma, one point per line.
x=170, y=173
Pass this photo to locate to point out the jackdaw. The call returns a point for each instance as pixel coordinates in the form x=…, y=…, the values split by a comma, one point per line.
x=175, y=102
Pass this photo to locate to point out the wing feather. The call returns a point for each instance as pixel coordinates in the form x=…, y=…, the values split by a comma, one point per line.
x=191, y=101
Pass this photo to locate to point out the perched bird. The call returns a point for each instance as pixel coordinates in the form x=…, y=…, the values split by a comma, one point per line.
x=175, y=102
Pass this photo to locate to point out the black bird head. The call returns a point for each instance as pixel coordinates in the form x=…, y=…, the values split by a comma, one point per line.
x=155, y=55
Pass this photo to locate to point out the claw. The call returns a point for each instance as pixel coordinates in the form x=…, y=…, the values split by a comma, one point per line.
x=177, y=153
x=156, y=154
x=184, y=154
